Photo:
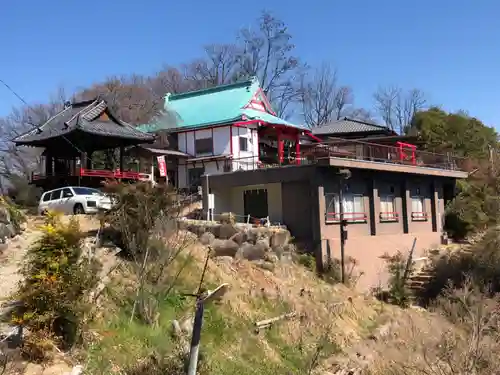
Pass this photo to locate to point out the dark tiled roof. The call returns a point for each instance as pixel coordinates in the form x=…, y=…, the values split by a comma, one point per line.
x=83, y=116
x=347, y=125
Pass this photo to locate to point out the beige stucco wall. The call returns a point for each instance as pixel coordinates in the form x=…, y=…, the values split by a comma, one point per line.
x=231, y=200
x=367, y=251
x=390, y=238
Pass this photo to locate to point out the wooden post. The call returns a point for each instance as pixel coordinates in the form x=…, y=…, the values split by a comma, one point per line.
x=195, y=338
x=83, y=160
x=280, y=146
x=88, y=163
x=297, y=149
x=121, y=158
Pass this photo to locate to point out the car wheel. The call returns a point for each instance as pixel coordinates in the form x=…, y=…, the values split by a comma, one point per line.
x=44, y=213
x=78, y=209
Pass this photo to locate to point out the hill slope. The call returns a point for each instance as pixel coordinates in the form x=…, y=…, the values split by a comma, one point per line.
x=334, y=328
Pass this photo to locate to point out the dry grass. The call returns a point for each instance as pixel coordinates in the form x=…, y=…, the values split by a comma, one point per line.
x=355, y=331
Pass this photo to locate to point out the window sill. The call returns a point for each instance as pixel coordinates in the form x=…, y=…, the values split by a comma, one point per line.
x=389, y=220
x=361, y=221
x=419, y=219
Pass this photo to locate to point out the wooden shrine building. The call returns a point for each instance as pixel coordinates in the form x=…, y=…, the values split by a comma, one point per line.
x=71, y=138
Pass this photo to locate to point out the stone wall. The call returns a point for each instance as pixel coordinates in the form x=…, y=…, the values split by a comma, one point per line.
x=261, y=244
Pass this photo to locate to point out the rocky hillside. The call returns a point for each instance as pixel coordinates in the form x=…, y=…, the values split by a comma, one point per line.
x=278, y=316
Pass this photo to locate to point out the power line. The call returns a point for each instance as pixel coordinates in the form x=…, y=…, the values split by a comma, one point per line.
x=14, y=92
x=34, y=126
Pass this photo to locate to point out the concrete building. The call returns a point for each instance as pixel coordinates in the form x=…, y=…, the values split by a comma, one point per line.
x=386, y=202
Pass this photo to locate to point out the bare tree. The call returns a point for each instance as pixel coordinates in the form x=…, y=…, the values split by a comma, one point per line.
x=397, y=107
x=359, y=114
x=219, y=66
x=323, y=99
x=268, y=54
x=17, y=163
x=21, y=161
x=131, y=98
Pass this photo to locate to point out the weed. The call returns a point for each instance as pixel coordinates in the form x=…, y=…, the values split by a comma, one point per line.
x=399, y=271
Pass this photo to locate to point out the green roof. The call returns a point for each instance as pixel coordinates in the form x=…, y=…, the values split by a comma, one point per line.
x=214, y=106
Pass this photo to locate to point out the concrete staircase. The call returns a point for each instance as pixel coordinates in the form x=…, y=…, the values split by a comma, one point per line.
x=424, y=272
x=421, y=275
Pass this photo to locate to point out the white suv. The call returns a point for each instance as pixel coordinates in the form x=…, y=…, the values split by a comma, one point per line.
x=74, y=200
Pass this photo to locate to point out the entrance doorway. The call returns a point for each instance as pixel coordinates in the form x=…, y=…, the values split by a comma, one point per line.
x=255, y=203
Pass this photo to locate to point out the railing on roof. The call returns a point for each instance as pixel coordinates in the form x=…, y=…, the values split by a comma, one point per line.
x=401, y=153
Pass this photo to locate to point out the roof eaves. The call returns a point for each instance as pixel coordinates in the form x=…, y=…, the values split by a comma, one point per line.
x=204, y=125
x=210, y=90
x=364, y=122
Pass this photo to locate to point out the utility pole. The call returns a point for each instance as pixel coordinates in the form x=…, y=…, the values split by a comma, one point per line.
x=201, y=300
x=342, y=229
x=344, y=174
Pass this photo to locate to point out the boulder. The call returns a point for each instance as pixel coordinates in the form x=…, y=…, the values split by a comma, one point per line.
x=263, y=244
x=4, y=232
x=226, y=231
x=280, y=238
x=207, y=238
x=227, y=218
x=224, y=248
x=268, y=266
x=197, y=229
x=4, y=215
x=253, y=252
x=12, y=230
x=271, y=257
x=239, y=237
x=255, y=234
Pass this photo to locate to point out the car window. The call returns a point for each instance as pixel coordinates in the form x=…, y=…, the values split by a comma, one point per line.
x=66, y=193
x=86, y=191
x=56, y=194
x=46, y=197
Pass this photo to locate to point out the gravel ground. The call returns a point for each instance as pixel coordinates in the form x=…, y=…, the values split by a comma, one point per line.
x=11, y=258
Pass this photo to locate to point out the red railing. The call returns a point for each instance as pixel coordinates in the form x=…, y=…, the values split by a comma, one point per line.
x=400, y=153
x=389, y=216
x=351, y=217
x=419, y=216
x=100, y=173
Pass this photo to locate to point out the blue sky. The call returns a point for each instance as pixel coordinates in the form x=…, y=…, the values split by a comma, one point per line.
x=449, y=49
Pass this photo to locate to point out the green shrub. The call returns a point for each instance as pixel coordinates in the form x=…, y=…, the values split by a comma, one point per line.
x=480, y=265
x=397, y=293
x=308, y=261
x=475, y=208
x=138, y=209
x=55, y=288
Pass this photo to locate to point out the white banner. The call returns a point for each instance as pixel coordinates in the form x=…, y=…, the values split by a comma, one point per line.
x=162, y=165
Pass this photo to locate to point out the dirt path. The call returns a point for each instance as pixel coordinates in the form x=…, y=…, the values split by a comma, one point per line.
x=11, y=259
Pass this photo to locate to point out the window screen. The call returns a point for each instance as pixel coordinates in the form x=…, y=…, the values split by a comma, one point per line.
x=204, y=146
x=243, y=144
x=388, y=208
x=353, y=205
x=418, y=208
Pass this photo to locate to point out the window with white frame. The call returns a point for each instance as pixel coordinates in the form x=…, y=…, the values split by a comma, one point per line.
x=353, y=206
x=418, y=208
x=243, y=143
x=388, y=208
